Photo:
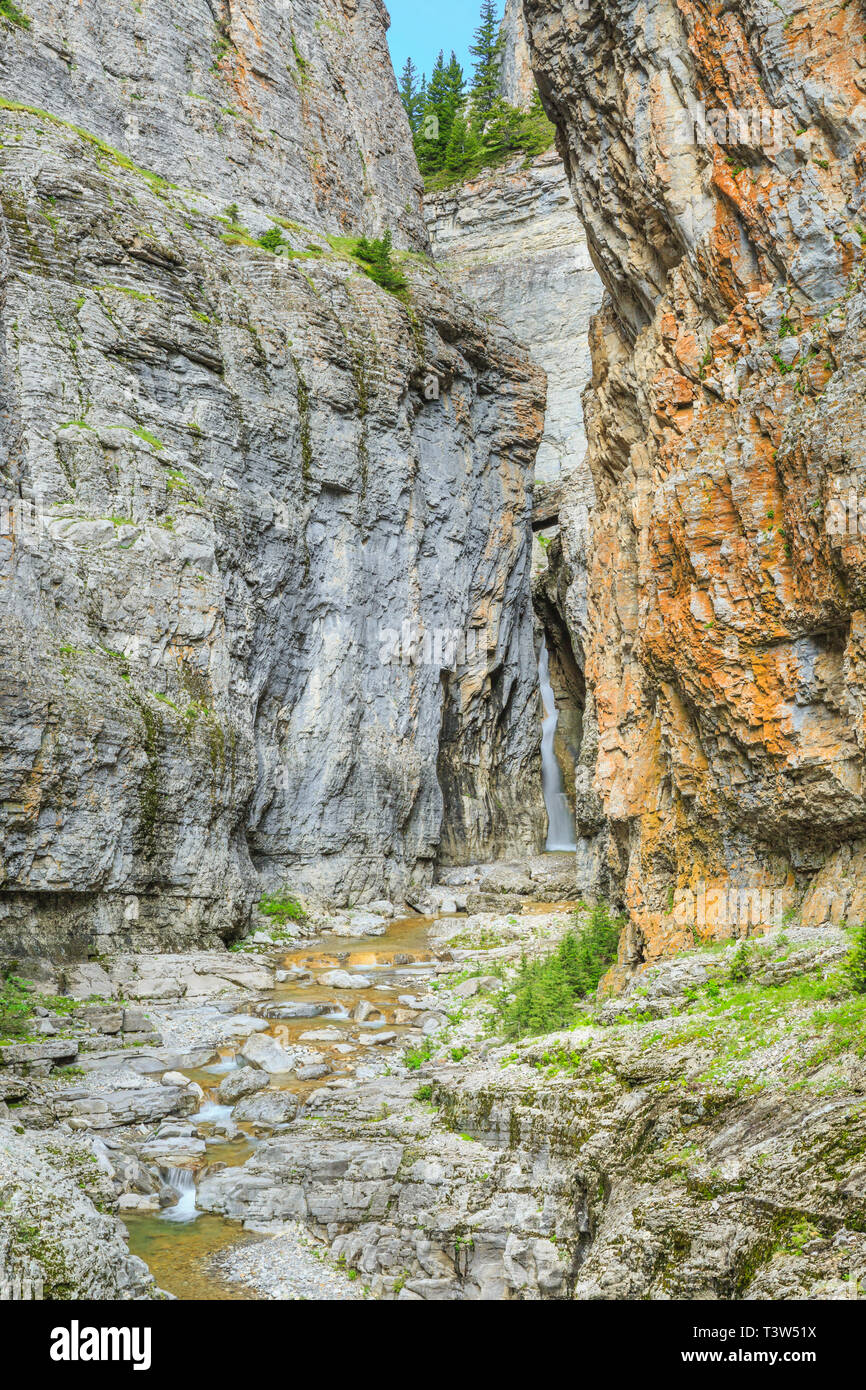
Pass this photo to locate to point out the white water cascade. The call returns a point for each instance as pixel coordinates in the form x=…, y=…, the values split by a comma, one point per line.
x=560, y=822
x=183, y=1182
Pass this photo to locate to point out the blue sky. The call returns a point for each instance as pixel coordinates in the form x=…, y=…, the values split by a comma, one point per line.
x=422, y=27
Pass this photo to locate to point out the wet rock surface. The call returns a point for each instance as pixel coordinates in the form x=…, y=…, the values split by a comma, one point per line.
x=668, y=1148
x=700, y=1135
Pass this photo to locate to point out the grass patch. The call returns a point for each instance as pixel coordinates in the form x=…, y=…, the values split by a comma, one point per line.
x=17, y=1003
x=13, y=14
x=282, y=909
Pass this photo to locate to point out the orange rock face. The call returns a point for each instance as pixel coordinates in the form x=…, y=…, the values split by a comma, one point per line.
x=717, y=162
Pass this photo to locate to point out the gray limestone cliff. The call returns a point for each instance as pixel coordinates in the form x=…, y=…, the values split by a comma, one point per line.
x=512, y=243
x=264, y=610
x=517, y=79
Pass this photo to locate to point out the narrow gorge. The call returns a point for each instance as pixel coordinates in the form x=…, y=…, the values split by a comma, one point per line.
x=432, y=825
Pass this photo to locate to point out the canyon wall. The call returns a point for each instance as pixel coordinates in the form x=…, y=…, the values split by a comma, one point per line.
x=239, y=484
x=716, y=159
x=511, y=242
x=517, y=80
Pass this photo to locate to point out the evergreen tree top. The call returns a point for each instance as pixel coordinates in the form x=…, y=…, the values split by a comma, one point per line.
x=456, y=134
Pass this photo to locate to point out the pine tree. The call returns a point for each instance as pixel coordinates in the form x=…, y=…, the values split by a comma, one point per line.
x=487, y=52
x=463, y=155
x=445, y=97
x=411, y=95
x=376, y=256
x=538, y=132
x=503, y=131
x=456, y=138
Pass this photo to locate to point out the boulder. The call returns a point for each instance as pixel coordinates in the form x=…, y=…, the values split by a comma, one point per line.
x=261, y=1050
x=241, y=1025
x=359, y=924
x=58, y=1053
x=376, y=1039
x=175, y=1153
x=365, y=1012
x=313, y=1071
x=242, y=1082
x=135, y=1021
x=294, y=1010
x=481, y=984
x=268, y=1108
x=343, y=979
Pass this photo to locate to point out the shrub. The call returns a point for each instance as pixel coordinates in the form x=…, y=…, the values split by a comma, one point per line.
x=272, y=239
x=282, y=910
x=741, y=966
x=375, y=256
x=854, y=968
x=415, y=1057
x=546, y=992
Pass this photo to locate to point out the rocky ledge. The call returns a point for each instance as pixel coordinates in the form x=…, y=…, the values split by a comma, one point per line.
x=703, y=1136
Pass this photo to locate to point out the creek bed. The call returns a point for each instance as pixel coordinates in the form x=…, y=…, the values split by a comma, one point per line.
x=179, y=1244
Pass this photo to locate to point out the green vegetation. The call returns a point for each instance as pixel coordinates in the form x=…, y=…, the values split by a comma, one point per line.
x=19, y=1000
x=16, y=1006
x=800, y=1234
x=375, y=258
x=740, y=966
x=272, y=239
x=415, y=1058
x=854, y=969
x=456, y=132
x=300, y=61
x=156, y=181
x=545, y=994
x=13, y=14
x=282, y=909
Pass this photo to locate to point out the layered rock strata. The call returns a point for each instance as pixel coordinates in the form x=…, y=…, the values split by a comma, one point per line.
x=715, y=159
x=510, y=240
x=265, y=547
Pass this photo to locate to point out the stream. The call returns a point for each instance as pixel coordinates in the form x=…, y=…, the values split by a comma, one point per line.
x=342, y=1025
x=560, y=833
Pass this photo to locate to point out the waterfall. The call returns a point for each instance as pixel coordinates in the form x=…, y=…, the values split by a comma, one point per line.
x=183, y=1182
x=560, y=823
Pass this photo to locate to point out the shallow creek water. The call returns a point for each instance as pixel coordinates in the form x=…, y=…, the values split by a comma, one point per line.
x=178, y=1244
